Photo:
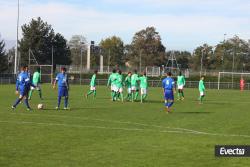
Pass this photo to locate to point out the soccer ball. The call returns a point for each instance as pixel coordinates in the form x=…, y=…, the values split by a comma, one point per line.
x=40, y=106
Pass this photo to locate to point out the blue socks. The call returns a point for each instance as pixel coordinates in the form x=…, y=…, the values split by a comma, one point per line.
x=17, y=102
x=26, y=102
x=66, y=99
x=59, y=101
x=66, y=102
x=169, y=104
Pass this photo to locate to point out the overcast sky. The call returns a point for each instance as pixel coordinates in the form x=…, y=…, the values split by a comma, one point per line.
x=182, y=24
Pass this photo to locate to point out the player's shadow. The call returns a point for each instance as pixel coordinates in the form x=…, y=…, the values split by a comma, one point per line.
x=194, y=112
x=155, y=101
x=84, y=108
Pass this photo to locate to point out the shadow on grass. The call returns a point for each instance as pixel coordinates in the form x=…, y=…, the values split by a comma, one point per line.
x=155, y=101
x=71, y=109
x=198, y=112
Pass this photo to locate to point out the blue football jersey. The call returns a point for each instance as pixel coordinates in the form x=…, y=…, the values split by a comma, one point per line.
x=23, y=81
x=62, y=80
x=168, y=83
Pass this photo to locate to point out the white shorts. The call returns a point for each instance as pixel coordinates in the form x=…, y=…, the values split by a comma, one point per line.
x=92, y=88
x=133, y=88
x=114, y=88
x=129, y=90
x=180, y=87
x=202, y=93
x=143, y=91
x=38, y=87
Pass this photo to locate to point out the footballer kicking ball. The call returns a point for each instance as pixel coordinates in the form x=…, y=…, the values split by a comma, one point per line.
x=40, y=106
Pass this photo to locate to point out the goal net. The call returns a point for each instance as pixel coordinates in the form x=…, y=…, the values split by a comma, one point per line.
x=227, y=80
x=153, y=71
x=46, y=72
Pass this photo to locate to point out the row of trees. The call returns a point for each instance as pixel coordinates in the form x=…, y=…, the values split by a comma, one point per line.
x=146, y=49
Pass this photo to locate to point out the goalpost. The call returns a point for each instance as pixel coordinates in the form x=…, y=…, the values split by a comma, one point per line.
x=46, y=70
x=231, y=74
x=153, y=71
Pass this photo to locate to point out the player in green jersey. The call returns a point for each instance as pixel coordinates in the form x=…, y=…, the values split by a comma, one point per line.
x=134, y=86
x=144, y=86
x=180, y=86
x=112, y=82
x=128, y=85
x=36, y=80
x=92, y=85
x=201, y=89
x=119, y=85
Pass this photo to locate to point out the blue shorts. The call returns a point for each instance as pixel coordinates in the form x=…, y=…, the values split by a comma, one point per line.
x=23, y=91
x=63, y=91
x=169, y=95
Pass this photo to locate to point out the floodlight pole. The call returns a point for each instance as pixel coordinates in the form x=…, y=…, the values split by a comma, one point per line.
x=140, y=60
x=88, y=57
x=16, y=51
x=81, y=68
x=202, y=54
x=108, y=59
x=52, y=62
x=224, y=50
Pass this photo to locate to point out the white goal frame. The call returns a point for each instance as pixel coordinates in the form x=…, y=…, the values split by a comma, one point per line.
x=232, y=73
x=41, y=67
x=153, y=71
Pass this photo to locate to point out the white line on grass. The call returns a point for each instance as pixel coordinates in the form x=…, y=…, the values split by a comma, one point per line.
x=125, y=129
x=112, y=121
x=95, y=127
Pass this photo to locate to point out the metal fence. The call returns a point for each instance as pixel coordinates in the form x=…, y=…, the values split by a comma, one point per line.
x=152, y=83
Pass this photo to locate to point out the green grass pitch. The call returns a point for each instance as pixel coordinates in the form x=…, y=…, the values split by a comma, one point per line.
x=102, y=133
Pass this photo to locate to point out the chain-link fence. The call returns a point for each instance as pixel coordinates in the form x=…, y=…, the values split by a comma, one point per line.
x=151, y=83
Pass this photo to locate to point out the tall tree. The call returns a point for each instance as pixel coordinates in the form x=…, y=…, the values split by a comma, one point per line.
x=39, y=37
x=203, y=57
x=233, y=54
x=147, y=48
x=61, y=50
x=112, y=50
x=3, y=57
x=78, y=46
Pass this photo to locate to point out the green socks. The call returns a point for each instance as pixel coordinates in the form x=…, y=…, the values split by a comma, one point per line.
x=201, y=99
x=136, y=95
x=90, y=92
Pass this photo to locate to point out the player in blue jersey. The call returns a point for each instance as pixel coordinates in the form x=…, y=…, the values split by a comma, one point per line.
x=63, y=88
x=23, y=84
x=168, y=86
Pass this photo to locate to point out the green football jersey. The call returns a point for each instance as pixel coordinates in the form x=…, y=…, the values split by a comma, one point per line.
x=181, y=80
x=201, y=86
x=112, y=79
x=134, y=80
x=119, y=80
x=36, y=78
x=93, y=80
x=143, y=82
x=128, y=81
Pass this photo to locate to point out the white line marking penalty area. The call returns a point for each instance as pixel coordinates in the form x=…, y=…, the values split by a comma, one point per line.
x=124, y=129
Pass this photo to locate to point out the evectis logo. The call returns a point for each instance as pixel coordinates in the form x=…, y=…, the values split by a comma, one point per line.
x=232, y=151
x=236, y=151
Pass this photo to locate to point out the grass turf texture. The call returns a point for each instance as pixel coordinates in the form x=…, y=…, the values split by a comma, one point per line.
x=104, y=133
